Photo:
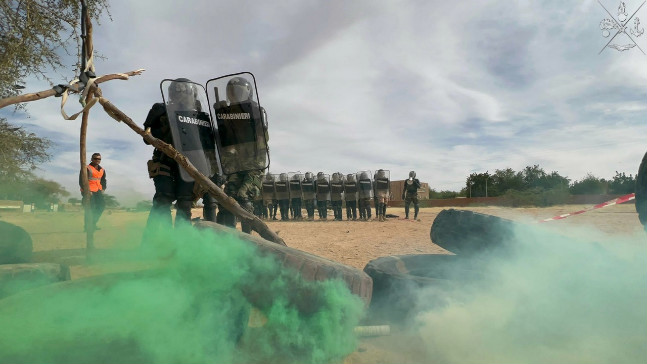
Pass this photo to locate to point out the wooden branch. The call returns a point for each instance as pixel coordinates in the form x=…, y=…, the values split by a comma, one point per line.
x=227, y=202
x=73, y=88
x=87, y=195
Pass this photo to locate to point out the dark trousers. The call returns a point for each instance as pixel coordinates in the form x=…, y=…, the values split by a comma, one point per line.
x=407, y=201
x=351, y=209
x=97, y=205
x=295, y=208
x=284, y=207
x=167, y=190
x=364, y=208
x=322, y=209
x=310, y=208
x=336, y=208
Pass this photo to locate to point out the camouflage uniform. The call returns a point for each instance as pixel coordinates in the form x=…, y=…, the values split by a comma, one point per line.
x=244, y=187
x=410, y=194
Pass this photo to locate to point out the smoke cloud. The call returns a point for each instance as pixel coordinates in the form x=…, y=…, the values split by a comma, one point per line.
x=190, y=306
x=550, y=299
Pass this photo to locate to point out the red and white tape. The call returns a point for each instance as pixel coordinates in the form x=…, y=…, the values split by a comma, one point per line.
x=618, y=200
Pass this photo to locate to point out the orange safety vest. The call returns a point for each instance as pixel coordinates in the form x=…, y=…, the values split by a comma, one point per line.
x=94, y=178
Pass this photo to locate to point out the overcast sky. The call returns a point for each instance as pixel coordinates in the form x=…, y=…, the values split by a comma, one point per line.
x=445, y=88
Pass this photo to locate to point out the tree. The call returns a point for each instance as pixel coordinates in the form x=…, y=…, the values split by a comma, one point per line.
x=111, y=201
x=32, y=35
x=589, y=185
x=42, y=192
x=20, y=153
x=621, y=184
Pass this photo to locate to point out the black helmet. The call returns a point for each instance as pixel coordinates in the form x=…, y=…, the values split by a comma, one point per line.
x=239, y=90
x=182, y=91
x=412, y=174
x=321, y=176
x=308, y=176
x=380, y=173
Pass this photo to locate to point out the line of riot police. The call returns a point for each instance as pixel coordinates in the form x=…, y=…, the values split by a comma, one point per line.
x=288, y=193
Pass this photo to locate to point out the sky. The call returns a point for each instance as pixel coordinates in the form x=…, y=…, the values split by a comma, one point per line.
x=442, y=88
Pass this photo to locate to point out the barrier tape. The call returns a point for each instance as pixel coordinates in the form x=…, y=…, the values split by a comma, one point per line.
x=618, y=200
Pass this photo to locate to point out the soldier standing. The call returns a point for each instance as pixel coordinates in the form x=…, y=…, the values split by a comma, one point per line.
x=269, y=196
x=308, y=188
x=283, y=195
x=336, y=191
x=350, y=196
x=410, y=194
x=323, y=194
x=242, y=142
x=365, y=192
x=382, y=187
x=295, y=196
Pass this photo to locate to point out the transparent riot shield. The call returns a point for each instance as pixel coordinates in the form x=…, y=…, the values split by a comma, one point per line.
x=382, y=182
x=190, y=124
x=323, y=187
x=350, y=187
x=241, y=123
x=336, y=186
x=268, y=188
x=295, y=184
x=364, y=184
x=282, y=186
x=308, y=186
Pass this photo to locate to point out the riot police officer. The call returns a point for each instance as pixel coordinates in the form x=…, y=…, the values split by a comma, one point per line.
x=242, y=128
x=350, y=196
x=382, y=187
x=410, y=194
x=322, y=187
x=165, y=171
x=295, y=196
x=269, y=196
x=283, y=195
x=336, y=191
x=365, y=192
x=308, y=188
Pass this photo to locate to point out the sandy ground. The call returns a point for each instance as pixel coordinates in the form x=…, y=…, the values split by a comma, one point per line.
x=355, y=243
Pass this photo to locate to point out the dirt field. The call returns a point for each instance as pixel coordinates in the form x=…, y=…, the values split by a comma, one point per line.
x=354, y=243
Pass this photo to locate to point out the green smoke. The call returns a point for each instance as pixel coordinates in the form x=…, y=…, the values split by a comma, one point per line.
x=192, y=308
x=551, y=300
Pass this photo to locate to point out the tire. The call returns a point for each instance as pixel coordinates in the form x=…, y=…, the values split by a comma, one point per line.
x=309, y=266
x=399, y=280
x=467, y=233
x=19, y=277
x=641, y=192
x=15, y=244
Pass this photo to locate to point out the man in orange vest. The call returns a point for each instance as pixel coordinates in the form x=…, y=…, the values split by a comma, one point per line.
x=97, y=183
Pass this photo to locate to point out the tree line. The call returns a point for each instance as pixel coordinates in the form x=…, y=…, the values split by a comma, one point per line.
x=533, y=185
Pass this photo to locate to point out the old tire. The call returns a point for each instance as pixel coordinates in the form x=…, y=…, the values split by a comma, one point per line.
x=310, y=267
x=19, y=277
x=467, y=233
x=404, y=285
x=641, y=192
x=15, y=244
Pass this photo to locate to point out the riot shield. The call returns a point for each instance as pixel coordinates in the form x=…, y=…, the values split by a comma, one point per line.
x=282, y=186
x=268, y=189
x=350, y=187
x=191, y=125
x=295, y=184
x=336, y=186
x=364, y=184
x=382, y=182
x=241, y=123
x=323, y=187
x=308, y=186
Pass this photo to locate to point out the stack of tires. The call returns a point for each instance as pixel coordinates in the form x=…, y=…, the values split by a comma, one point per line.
x=405, y=285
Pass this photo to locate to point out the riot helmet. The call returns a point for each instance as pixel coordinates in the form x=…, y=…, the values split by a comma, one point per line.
x=269, y=177
x=412, y=174
x=336, y=177
x=295, y=177
x=380, y=174
x=364, y=176
x=350, y=177
x=308, y=176
x=239, y=90
x=321, y=176
x=283, y=177
x=182, y=91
